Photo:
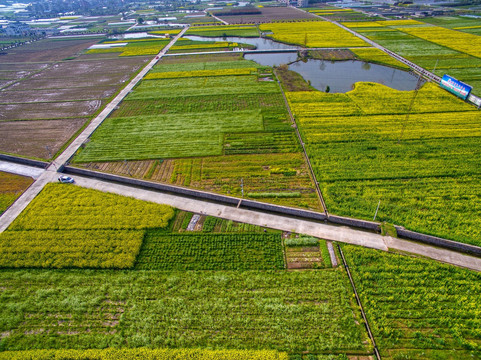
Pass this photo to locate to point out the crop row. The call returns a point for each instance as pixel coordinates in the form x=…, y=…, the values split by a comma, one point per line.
x=165, y=66
x=143, y=353
x=199, y=73
x=193, y=251
x=278, y=310
x=418, y=304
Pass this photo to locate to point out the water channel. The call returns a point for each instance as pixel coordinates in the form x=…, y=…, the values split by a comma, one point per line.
x=340, y=76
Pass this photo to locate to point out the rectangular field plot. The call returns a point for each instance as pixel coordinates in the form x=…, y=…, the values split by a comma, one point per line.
x=48, y=50
x=286, y=311
x=48, y=110
x=423, y=166
x=246, y=251
x=166, y=136
x=68, y=226
x=49, y=136
x=312, y=34
x=418, y=309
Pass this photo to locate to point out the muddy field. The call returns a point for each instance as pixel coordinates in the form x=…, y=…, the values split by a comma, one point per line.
x=17, y=137
x=268, y=15
x=60, y=96
x=48, y=110
x=47, y=50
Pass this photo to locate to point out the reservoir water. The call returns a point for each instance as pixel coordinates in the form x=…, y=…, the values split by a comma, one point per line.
x=340, y=76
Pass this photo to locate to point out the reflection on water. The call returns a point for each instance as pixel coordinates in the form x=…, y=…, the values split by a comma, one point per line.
x=340, y=76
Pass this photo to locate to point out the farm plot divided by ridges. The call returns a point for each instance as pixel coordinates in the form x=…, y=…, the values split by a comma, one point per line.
x=417, y=308
x=68, y=226
x=277, y=310
x=437, y=49
x=207, y=122
x=364, y=147
x=11, y=187
x=265, y=15
x=245, y=251
x=51, y=101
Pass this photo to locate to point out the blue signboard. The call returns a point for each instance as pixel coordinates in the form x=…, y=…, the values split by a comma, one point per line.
x=455, y=86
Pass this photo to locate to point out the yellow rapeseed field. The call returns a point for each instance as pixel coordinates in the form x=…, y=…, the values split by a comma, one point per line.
x=312, y=34
x=460, y=41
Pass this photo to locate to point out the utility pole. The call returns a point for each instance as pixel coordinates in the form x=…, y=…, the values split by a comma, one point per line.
x=379, y=203
x=242, y=186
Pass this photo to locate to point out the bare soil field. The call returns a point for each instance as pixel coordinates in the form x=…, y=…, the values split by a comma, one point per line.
x=43, y=95
x=21, y=66
x=92, y=73
x=17, y=136
x=46, y=110
x=47, y=50
x=268, y=14
x=50, y=101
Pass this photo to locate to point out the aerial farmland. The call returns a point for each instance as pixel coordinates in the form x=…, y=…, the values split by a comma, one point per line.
x=265, y=182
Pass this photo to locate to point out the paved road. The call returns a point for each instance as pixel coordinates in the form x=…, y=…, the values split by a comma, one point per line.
x=19, y=169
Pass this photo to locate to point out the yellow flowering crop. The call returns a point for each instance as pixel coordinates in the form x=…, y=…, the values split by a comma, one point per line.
x=313, y=34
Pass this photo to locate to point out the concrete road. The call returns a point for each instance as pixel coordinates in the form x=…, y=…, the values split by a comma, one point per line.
x=24, y=170
x=279, y=222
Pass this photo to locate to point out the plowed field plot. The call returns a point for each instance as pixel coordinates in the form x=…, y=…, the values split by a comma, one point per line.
x=268, y=15
x=66, y=93
x=48, y=110
x=47, y=50
x=48, y=95
x=49, y=136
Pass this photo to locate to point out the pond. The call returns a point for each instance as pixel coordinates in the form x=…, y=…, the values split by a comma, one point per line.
x=340, y=76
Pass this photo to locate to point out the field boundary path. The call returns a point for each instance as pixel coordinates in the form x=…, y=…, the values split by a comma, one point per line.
x=299, y=137
x=50, y=174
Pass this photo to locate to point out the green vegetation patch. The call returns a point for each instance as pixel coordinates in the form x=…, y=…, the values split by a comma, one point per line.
x=143, y=353
x=250, y=310
x=166, y=136
x=244, y=251
x=418, y=308
x=69, y=226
